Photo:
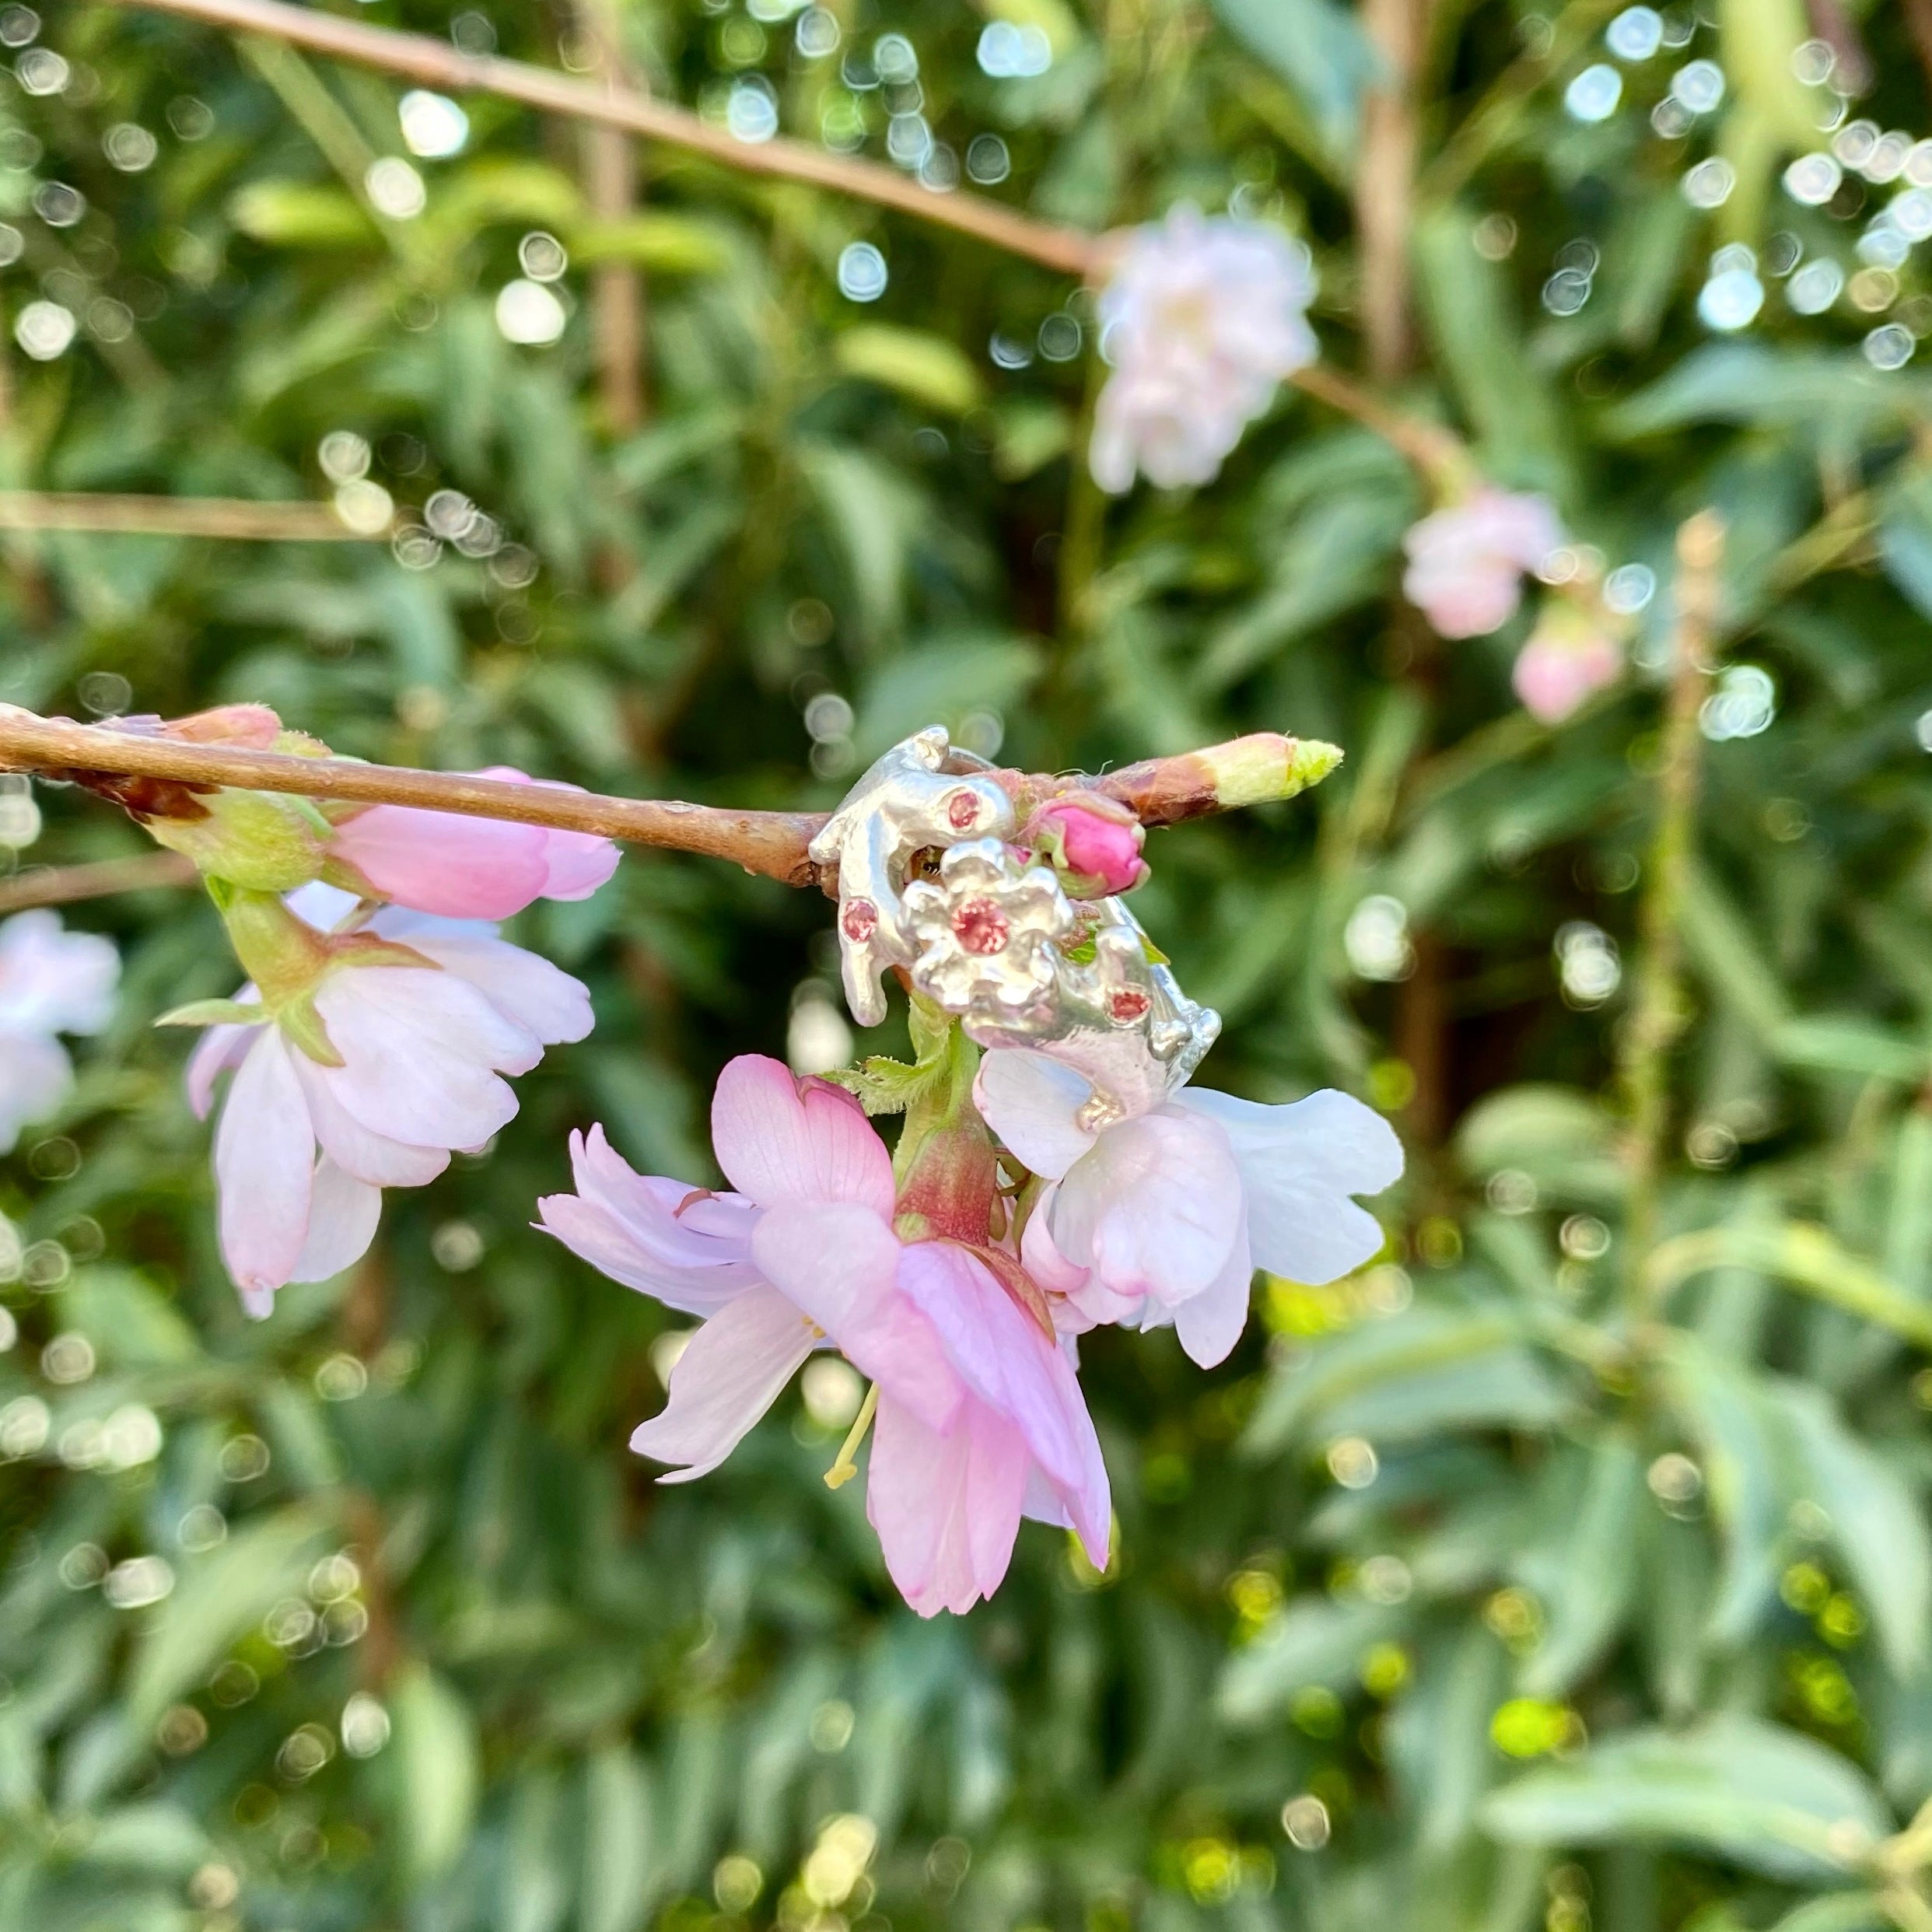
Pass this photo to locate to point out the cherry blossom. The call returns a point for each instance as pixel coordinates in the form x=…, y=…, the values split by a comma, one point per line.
x=387, y=1062
x=51, y=982
x=1095, y=842
x=1570, y=657
x=1202, y=320
x=1163, y=1216
x=980, y=1420
x=464, y=868
x=1466, y=562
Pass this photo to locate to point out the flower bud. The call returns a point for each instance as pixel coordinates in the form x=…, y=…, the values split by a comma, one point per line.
x=1571, y=656
x=263, y=841
x=1092, y=843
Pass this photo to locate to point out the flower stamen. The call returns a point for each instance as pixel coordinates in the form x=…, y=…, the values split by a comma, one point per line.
x=844, y=1468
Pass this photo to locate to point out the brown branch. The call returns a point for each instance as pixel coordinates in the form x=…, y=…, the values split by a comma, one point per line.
x=239, y=517
x=66, y=885
x=610, y=184
x=1253, y=770
x=1385, y=184
x=437, y=64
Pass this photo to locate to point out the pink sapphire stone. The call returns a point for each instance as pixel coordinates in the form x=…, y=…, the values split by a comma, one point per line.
x=980, y=926
x=858, y=921
x=962, y=811
x=1127, y=1005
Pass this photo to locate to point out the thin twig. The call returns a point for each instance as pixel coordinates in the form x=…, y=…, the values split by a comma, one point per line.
x=1658, y=1016
x=1160, y=791
x=239, y=517
x=1438, y=452
x=437, y=64
x=67, y=885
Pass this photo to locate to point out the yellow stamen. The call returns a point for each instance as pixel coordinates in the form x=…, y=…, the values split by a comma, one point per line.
x=844, y=1469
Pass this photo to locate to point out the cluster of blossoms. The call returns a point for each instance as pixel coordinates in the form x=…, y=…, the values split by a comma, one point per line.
x=51, y=982
x=1202, y=320
x=1467, y=562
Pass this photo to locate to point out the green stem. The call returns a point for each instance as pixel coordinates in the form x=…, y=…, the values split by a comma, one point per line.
x=1658, y=1016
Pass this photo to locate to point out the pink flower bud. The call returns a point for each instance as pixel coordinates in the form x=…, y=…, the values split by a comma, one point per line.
x=1567, y=659
x=1466, y=562
x=1096, y=841
x=464, y=868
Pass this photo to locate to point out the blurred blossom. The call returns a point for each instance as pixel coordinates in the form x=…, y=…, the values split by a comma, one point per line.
x=1744, y=704
x=1202, y=319
x=817, y=1039
x=1008, y=52
x=1376, y=939
x=1699, y=85
x=1635, y=33
x=752, y=110
x=1813, y=179
x=1467, y=561
x=129, y=147
x=1890, y=346
x=395, y=189
x=433, y=126
x=51, y=982
x=1813, y=288
x=1587, y=963
x=529, y=314
x=1594, y=93
x=1709, y=184
x=862, y=272
x=1568, y=658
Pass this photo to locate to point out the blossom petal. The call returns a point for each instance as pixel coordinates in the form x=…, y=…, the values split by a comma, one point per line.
x=1030, y=1101
x=343, y=1213
x=1299, y=1164
x=1015, y=1370
x=35, y=1075
x=546, y=1002
x=369, y=1158
x=841, y=1264
x=264, y=1159
x=1154, y=1208
x=1209, y=1324
x=691, y=1250
x=779, y=1139
x=219, y=1051
x=730, y=1372
x=53, y=980
x=446, y=862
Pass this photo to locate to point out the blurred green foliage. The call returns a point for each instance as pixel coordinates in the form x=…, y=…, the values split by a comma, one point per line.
x=1470, y=1593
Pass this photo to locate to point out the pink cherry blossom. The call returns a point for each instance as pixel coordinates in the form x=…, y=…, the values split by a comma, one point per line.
x=1104, y=848
x=1163, y=1216
x=464, y=868
x=980, y=1418
x=1202, y=320
x=1568, y=659
x=51, y=982
x=421, y=1048
x=1466, y=562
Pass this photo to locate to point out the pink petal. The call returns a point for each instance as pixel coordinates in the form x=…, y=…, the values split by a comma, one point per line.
x=35, y=1075
x=779, y=1139
x=369, y=1158
x=730, y=1372
x=1016, y=1371
x=524, y=988
x=840, y=1264
x=219, y=1051
x=693, y=1252
x=264, y=1157
x=1209, y=1324
x=343, y=1213
x=1030, y=1101
x=457, y=867
x=1154, y=1208
x=1299, y=1165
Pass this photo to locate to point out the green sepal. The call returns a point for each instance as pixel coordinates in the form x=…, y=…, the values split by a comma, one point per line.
x=303, y=1026
x=213, y=1013
x=883, y=1085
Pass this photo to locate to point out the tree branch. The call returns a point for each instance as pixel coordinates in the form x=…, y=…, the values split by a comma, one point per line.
x=437, y=64
x=239, y=517
x=67, y=885
x=1249, y=770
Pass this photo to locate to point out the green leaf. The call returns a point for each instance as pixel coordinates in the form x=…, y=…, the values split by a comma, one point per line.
x=1314, y=1641
x=1587, y=1590
x=664, y=243
x=618, y=1863
x=1733, y=1788
x=1564, y=1140
x=927, y=369
x=1319, y=49
x=434, y=1763
x=298, y=214
x=947, y=681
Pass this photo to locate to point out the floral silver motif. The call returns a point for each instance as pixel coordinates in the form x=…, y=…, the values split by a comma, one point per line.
x=995, y=940
x=923, y=794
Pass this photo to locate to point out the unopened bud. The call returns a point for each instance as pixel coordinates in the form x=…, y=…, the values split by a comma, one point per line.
x=1265, y=767
x=263, y=841
x=1092, y=841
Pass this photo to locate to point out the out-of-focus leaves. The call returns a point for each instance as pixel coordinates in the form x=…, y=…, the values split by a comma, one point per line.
x=1736, y=1788
x=1588, y=1578
x=924, y=368
x=435, y=1772
x=945, y=681
x=1562, y=1140
x=1314, y=1642
x=1316, y=48
x=617, y=1842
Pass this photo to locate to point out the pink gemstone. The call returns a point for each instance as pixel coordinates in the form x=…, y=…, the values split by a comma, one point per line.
x=981, y=927
x=858, y=921
x=1127, y=1005
x=962, y=811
